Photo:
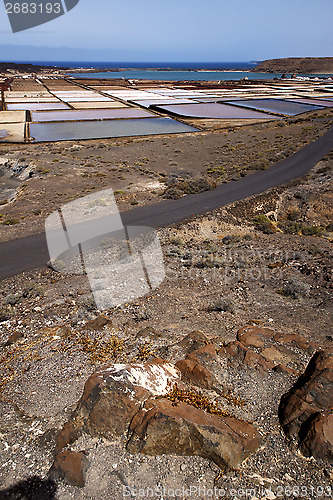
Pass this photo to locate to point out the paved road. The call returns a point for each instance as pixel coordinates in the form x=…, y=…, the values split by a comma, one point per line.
x=17, y=256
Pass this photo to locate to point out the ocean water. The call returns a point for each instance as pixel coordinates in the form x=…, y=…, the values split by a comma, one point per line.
x=173, y=71
x=151, y=65
x=178, y=75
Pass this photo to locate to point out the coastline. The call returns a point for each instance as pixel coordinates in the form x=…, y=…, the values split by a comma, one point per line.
x=76, y=69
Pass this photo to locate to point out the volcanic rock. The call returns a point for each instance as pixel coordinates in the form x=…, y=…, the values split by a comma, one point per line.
x=162, y=428
x=305, y=410
x=112, y=396
x=71, y=466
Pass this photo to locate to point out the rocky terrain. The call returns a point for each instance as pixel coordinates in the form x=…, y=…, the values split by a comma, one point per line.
x=220, y=378
x=307, y=65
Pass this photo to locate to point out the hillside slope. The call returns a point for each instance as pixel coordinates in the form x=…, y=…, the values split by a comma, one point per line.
x=319, y=65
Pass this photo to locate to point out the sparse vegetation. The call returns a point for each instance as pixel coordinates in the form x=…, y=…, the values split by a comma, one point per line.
x=264, y=224
x=295, y=289
x=223, y=304
x=101, y=349
x=193, y=398
x=299, y=228
x=10, y=222
x=179, y=187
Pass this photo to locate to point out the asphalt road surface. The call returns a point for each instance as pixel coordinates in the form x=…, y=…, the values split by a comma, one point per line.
x=25, y=254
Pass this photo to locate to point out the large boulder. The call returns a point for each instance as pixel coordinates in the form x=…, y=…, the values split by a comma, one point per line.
x=110, y=399
x=160, y=427
x=305, y=410
x=112, y=396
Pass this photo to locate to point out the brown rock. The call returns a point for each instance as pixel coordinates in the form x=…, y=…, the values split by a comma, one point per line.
x=193, y=341
x=296, y=340
x=70, y=466
x=275, y=355
x=14, y=338
x=205, y=354
x=319, y=438
x=311, y=396
x=254, y=336
x=196, y=374
x=161, y=428
x=250, y=358
x=68, y=435
x=98, y=323
x=112, y=396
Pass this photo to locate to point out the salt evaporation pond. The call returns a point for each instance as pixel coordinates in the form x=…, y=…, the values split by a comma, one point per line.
x=89, y=114
x=221, y=111
x=275, y=106
x=66, y=131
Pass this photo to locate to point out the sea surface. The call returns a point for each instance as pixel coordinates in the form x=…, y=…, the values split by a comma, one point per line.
x=189, y=71
x=178, y=75
x=151, y=65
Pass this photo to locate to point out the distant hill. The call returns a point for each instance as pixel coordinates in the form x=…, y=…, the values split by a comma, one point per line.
x=23, y=68
x=320, y=65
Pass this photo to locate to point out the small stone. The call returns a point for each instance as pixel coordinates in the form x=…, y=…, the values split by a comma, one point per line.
x=329, y=474
x=70, y=466
x=148, y=332
x=14, y=338
x=98, y=323
x=285, y=370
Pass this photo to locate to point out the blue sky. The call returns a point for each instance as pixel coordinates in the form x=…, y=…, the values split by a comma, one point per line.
x=177, y=30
